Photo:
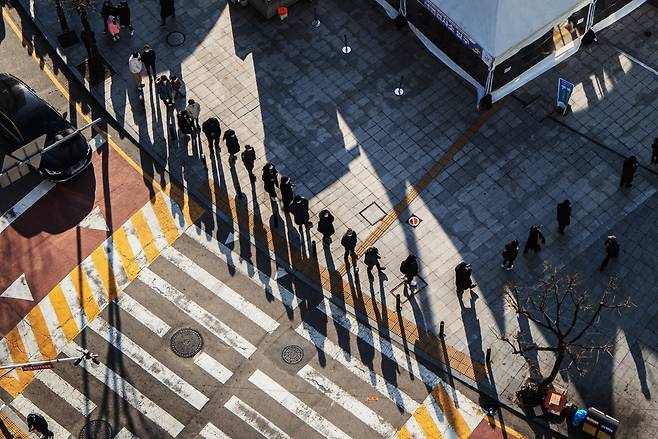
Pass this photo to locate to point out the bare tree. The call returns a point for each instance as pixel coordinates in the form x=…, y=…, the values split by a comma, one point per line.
x=566, y=313
x=81, y=7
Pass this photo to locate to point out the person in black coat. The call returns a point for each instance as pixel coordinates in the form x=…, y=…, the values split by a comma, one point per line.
x=249, y=159
x=184, y=123
x=300, y=212
x=628, y=171
x=123, y=12
x=148, y=59
x=611, y=250
x=167, y=9
x=232, y=145
x=287, y=194
x=535, y=239
x=510, y=252
x=463, y=278
x=409, y=267
x=326, y=226
x=270, y=179
x=654, y=152
x=37, y=423
x=213, y=131
x=348, y=241
x=106, y=10
x=563, y=215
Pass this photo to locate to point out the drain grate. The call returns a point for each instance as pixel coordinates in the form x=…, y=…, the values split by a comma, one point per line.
x=186, y=342
x=292, y=354
x=175, y=38
x=96, y=429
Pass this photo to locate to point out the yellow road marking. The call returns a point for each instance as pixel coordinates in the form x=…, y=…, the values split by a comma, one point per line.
x=122, y=246
x=404, y=433
x=105, y=273
x=18, y=355
x=506, y=429
x=85, y=296
x=426, y=423
x=41, y=333
x=451, y=412
x=145, y=236
x=191, y=210
x=63, y=312
x=165, y=219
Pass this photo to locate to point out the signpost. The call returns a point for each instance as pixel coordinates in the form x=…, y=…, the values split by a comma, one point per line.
x=37, y=366
x=49, y=364
x=564, y=90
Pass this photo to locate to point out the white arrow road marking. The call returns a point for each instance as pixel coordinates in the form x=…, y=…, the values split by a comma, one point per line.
x=19, y=289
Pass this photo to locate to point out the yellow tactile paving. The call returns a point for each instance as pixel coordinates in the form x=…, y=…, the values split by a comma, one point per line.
x=451, y=412
x=426, y=423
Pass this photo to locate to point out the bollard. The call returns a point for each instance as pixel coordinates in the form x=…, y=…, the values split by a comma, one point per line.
x=442, y=333
x=399, y=91
x=316, y=19
x=314, y=248
x=346, y=48
x=488, y=356
x=398, y=302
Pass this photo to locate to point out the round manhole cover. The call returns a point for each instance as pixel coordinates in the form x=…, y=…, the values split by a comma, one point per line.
x=292, y=354
x=96, y=429
x=186, y=342
x=175, y=38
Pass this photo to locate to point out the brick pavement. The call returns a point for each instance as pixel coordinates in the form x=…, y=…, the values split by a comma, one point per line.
x=332, y=123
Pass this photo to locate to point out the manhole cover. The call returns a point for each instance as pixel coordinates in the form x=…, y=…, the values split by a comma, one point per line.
x=186, y=342
x=175, y=38
x=373, y=213
x=292, y=354
x=96, y=429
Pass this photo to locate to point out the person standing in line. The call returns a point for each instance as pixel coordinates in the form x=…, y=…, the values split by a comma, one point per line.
x=167, y=9
x=213, y=131
x=563, y=215
x=114, y=27
x=184, y=123
x=37, y=423
x=123, y=13
x=165, y=91
x=106, y=10
x=270, y=180
x=348, y=241
x=249, y=159
x=193, y=111
x=300, y=212
x=135, y=67
x=654, y=152
x=178, y=85
x=535, y=239
x=326, y=226
x=463, y=278
x=409, y=267
x=287, y=194
x=148, y=58
x=371, y=259
x=628, y=172
x=232, y=145
x=510, y=252
x=611, y=250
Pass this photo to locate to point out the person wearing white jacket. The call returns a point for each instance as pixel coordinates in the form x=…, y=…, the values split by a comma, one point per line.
x=135, y=65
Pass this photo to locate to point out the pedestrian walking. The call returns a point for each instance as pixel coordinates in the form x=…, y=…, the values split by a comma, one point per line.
x=167, y=9
x=38, y=424
x=371, y=259
x=212, y=130
x=348, y=241
x=270, y=179
x=654, y=152
x=135, y=67
x=164, y=90
x=184, y=123
x=628, y=172
x=249, y=159
x=510, y=252
x=178, y=85
x=287, y=194
x=123, y=13
x=148, y=59
x=326, y=226
x=300, y=212
x=563, y=215
x=535, y=239
x=194, y=110
x=409, y=267
x=463, y=278
x=113, y=27
x=106, y=10
x=611, y=250
x=232, y=145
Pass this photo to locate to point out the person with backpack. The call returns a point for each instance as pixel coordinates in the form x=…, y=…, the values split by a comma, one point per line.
x=535, y=239
x=38, y=424
x=270, y=179
x=371, y=259
x=611, y=250
x=287, y=194
x=510, y=253
x=113, y=27
x=232, y=145
x=463, y=278
x=212, y=129
x=184, y=123
x=249, y=160
x=409, y=267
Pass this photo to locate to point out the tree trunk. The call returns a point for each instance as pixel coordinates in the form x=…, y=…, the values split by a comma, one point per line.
x=543, y=385
x=88, y=38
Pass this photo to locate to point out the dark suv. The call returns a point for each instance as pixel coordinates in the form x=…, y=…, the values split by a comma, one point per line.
x=24, y=117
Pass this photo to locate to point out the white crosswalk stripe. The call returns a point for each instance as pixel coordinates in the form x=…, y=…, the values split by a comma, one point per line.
x=254, y=419
x=220, y=289
x=347, y=401
x=158, y=326
x=212, y=432
x=197, y=313
x=213, y=367
x=149, y=363
x=66, y=391
x=295, y=406
x=125, y=434
x=130, y=394
x=24, y=406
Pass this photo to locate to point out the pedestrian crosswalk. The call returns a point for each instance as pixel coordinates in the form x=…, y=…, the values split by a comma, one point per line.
x=354, y=387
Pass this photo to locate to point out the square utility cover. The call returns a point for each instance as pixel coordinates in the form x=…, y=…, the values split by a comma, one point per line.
x=373, y=213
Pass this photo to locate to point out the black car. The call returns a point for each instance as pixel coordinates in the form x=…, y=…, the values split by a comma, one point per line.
x=25, y=117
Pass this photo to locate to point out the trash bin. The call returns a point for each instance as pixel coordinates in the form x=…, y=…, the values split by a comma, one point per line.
x=600, y=425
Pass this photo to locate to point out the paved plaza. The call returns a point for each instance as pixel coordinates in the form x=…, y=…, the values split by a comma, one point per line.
x=477, y=180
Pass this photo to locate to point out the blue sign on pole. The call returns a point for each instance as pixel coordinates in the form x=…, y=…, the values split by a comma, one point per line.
x=564, y=90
